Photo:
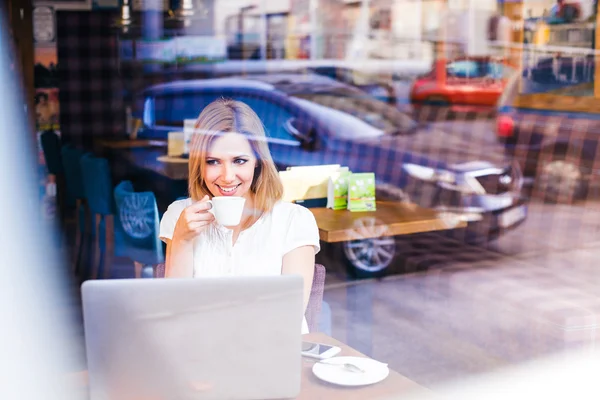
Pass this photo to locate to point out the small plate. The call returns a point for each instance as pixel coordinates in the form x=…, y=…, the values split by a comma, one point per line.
x=331, y=371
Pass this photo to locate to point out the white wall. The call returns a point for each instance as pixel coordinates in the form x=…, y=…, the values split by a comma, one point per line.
x=406, y=19
x=491, y=5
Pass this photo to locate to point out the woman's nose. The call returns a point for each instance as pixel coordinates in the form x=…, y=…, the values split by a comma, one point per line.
x=229, y=173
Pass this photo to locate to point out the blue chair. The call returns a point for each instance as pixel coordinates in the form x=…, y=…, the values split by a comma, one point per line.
x=99, y=196
x=136, y=228
x=71, y=162
x=315, y=300
x=74, y=197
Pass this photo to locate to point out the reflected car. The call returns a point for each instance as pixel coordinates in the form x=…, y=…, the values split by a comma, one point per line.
x=368, y=83
x=554, y=139
x=473, y=83
x=314, y=120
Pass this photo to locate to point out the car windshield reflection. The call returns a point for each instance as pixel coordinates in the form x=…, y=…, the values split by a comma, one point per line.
x=370, y=111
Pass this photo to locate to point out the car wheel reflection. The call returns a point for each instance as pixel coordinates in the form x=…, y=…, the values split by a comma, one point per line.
x=370, y=257
x=561, y=181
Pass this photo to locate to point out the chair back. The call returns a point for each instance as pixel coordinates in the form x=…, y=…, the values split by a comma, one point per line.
x=315, y=301
x=97, y=184
x=50, y=142
x=137, y=225
x=71, y=162
x=159, y=270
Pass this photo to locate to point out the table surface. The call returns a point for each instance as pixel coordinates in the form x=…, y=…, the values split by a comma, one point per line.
x=394, y=386
x=147, y=158
x=389, y=219
x=313, y=388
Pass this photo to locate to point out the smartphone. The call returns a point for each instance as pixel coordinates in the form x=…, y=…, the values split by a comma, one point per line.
x=319, y=350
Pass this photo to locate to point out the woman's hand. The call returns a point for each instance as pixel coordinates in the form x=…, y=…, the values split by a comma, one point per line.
x=193, y=220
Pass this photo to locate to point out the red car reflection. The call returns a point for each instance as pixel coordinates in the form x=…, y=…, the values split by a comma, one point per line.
x=471, y=83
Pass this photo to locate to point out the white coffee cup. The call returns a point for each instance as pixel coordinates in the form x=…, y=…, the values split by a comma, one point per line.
x=227, y=210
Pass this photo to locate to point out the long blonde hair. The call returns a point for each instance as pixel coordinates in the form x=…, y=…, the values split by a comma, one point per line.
x=224, y=116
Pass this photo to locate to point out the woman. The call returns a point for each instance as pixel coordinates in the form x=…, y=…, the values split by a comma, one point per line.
x=229, y=156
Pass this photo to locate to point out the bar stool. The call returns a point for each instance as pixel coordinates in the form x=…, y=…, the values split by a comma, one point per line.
x=99, y=196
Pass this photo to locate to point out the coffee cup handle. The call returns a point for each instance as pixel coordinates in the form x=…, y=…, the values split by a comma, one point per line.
x=212, y=207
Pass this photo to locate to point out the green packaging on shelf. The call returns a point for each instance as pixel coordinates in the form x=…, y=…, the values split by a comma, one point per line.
x=337, y=189
x=361, y=192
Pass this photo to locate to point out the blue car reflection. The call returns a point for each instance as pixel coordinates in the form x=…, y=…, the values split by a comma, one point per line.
x=312, y=120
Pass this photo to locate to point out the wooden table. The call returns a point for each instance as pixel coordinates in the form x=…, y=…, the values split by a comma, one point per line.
x=312, y=388
x=389, y=219
x=392, y=387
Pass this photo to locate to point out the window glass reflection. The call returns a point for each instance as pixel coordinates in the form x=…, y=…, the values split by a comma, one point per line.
x=560, y=39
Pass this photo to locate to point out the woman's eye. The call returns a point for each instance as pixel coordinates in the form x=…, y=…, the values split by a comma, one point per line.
x=212, y=162
x=240, y=161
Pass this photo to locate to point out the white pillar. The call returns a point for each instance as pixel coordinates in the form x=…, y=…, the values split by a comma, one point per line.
x=471, y=47
x=420, y=23
x=365, y=29
x=263, y=29
x=365, y=7
x=420, y=50
x=315, y=30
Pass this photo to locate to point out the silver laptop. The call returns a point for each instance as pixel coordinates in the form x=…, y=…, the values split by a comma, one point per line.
x=210, y=338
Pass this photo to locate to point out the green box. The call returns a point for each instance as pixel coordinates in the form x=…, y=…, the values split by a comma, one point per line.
x=361, y=192
x=337, y=189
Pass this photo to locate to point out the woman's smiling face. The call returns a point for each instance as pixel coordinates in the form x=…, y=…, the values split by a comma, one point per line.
x=230, y=166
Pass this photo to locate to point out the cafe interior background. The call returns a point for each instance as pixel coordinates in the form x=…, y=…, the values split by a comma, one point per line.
x=96, y=54
x=430, y=313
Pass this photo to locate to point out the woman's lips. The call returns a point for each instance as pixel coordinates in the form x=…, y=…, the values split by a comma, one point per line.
x=228, y=190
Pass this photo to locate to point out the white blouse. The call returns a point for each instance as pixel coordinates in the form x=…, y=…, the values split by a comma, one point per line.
x=258, y=250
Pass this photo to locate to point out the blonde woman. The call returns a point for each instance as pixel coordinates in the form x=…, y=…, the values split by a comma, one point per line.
x=230, y=156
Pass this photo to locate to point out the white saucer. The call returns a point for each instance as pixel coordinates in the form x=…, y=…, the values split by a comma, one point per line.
x=330, y=371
